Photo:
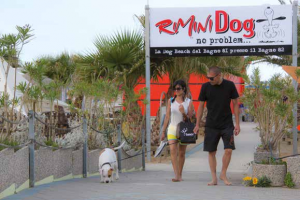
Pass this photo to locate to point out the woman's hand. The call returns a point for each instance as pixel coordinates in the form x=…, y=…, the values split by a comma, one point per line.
x=181, y=109
x=162, y=137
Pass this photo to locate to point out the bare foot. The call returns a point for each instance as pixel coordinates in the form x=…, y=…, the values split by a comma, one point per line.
x=226, y=181
x=175, y=180
x=212, y=183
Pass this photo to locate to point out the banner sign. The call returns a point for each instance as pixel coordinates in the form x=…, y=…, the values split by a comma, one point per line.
x=224, y=31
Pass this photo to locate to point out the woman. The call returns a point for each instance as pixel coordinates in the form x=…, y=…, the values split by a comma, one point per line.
x=179, y=108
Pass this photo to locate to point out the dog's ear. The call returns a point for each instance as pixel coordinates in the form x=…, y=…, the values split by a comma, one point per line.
x=101, y=172
x=110, y=171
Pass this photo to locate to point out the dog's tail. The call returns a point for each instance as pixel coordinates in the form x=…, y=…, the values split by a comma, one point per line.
x=119, y=147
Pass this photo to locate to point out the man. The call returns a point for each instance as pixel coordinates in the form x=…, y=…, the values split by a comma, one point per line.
x=218, y=93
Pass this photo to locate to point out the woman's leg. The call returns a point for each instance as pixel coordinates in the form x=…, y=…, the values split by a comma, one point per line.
x=174, y=150
x=182, y=149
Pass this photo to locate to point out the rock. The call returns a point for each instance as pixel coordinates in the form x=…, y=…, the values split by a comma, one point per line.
x=259, y=156
x=293, y=166
x=276, y=173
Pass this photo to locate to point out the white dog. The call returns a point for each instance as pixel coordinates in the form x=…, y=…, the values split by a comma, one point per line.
x=108, y=165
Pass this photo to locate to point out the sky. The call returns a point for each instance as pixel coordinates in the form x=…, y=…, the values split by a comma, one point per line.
x=72, y=25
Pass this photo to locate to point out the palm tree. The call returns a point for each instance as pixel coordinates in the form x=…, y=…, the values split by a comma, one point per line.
x=59, y=69
x=123, y=56
x=11, y=46
x=119, y=58
x=36, y=75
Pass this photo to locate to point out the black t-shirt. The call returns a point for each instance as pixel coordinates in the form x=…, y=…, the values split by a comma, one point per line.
x=218, y=98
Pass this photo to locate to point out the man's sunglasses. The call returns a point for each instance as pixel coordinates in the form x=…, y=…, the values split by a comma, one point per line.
x=178, y=88
x=212, y=78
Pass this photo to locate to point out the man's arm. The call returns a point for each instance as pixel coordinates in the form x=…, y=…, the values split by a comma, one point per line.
x=237, y=128
x=199, y=116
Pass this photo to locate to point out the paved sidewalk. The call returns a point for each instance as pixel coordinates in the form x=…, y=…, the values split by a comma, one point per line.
x=156, y=183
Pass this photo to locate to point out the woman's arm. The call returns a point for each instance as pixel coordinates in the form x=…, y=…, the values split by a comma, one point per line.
x=166, y=121
x=190, y=113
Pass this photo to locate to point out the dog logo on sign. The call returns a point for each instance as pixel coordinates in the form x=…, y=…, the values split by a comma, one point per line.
x=270, y=28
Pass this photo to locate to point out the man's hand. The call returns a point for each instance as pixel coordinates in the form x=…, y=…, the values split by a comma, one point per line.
x=196, y=129
x=237, y=130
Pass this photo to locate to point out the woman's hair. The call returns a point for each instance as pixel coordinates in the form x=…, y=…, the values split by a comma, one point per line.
x=183, y=85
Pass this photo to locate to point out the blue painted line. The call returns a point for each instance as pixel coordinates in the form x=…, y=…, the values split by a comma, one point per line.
x=197, y=148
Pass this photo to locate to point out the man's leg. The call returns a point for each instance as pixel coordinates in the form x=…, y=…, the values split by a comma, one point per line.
x=211, y=140
x=228, y=140
x=213, y=167
x=226, y=160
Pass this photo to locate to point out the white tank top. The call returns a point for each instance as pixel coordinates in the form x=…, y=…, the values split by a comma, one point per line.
x=176, y=115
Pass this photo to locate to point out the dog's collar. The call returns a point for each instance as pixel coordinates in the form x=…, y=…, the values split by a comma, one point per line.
x=107, y=163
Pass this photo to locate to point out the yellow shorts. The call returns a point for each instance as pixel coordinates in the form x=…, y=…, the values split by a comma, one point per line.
x=172, y=133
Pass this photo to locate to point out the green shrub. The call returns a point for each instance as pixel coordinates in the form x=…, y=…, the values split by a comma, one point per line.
x=9, y=143
x=288, y=180
x=51, y=143
x=263, y=181
x=272, y=161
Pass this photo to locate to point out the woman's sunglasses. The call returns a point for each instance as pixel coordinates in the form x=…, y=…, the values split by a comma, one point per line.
x=212, y=78
x=178, y=88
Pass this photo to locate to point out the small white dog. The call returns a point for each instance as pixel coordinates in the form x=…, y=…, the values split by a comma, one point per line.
x=108, y=165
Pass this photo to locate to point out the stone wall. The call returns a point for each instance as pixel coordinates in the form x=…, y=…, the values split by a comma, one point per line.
x=43, y=164
x=264, y=156
x=62, y=163
x=276, y=173
x=93, y=161
x=77, y=160
x=293, y=166
x=14, y=168
x=130, y=161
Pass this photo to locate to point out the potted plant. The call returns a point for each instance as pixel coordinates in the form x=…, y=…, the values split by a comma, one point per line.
x=271, y=104
x=275, y=170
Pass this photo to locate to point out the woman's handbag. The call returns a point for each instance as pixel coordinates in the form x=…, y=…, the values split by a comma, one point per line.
x=185, y=132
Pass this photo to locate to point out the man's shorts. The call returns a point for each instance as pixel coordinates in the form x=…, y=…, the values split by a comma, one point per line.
x=212, y=138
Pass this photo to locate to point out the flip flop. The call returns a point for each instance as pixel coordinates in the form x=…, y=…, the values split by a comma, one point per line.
x=160, y=148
